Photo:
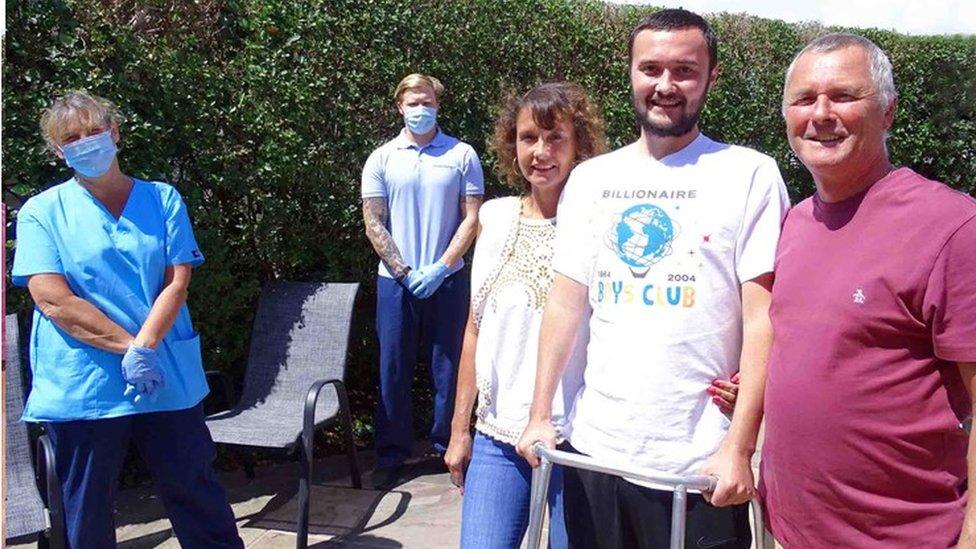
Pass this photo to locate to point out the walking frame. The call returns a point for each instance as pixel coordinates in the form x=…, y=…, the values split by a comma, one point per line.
x=680, y=485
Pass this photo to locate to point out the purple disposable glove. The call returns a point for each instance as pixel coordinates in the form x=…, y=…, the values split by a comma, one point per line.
x=141, y=372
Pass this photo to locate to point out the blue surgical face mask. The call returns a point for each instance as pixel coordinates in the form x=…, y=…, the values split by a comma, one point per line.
x=91, y=156
x=420, y=119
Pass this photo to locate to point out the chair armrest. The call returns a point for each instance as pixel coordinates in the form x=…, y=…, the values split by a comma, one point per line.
x=311, y=401
x=308, y=431
x=50, y=486
x=226, y=386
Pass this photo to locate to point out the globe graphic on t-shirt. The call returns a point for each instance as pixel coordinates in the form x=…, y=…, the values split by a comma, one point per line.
x=642, y=237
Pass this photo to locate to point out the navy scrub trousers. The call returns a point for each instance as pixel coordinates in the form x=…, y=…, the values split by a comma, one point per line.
x=179, y=452
x=410, y=329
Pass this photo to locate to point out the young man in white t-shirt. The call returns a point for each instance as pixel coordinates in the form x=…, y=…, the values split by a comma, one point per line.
x=671, y=240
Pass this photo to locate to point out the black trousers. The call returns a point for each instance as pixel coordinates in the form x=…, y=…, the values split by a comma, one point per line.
x=607, y=512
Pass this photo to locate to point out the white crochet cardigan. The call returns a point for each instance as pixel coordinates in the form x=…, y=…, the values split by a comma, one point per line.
x=505, y=379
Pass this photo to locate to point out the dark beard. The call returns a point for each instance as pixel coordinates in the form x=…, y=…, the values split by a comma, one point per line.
x=684, y=125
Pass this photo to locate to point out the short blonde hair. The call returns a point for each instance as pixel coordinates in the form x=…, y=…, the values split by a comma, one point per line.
x=76, y=109
x=417, y=80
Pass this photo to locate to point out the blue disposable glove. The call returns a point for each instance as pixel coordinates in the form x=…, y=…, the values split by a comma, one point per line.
x=429, y=278
x=141, y=372
x=412, y=280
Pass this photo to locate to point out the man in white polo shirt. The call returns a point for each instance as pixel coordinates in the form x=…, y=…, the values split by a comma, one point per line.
x=671, y=241
x=421, y=193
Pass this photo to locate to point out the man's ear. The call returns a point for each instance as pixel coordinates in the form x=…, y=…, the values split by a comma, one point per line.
x=890, y=113
x=713, y=76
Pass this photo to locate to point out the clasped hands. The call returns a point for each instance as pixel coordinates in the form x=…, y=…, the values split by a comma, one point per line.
x=141, y=372
x=423, y=282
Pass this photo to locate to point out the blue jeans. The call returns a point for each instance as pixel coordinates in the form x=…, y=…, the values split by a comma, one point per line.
x=179, y=452
x=495, y=507
x=410, y=329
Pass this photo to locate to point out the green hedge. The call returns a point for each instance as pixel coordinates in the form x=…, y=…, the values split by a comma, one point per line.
x=262, y=113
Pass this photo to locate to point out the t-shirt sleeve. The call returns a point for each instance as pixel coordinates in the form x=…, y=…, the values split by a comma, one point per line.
x=574, y=255
x=472, y=175
x=374, y=180
x=949, y=297
x=766, y=207
x=181, y=245
x=36, y=251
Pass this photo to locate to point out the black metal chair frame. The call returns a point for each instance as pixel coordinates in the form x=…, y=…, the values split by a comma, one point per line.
x=308, y=433
x=50, y=488
x=307, y=441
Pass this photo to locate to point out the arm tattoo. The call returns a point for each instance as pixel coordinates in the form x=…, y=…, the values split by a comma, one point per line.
x=466, y=231
x=375, y=214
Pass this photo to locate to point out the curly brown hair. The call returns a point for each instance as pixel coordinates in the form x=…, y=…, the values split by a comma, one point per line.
x=549, y=103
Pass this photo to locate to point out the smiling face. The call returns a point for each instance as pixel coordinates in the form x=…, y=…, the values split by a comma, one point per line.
x=545, y=156
x=835, y=121
x=670, y=77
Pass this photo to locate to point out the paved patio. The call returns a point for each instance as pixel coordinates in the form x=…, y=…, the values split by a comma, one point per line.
x=423, y=511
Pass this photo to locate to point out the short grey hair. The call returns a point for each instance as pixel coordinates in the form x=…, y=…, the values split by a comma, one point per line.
x=881, y=71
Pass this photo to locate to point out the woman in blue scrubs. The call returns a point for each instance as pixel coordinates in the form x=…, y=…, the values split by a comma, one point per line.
x=107, y=259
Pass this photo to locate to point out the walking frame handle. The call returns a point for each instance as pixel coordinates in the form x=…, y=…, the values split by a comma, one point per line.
x=679, y=484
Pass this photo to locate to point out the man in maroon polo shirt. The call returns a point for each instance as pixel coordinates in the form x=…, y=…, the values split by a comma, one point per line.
x=874, y=319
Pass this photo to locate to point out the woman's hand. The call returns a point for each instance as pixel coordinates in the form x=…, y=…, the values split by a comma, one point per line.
x=725, y=393
x=538, y=430
x=141, y=372
x=457, y=458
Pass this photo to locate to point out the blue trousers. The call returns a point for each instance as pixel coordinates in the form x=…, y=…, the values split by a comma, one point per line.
x=179, y=452
x=410, y=329
x=495, y=507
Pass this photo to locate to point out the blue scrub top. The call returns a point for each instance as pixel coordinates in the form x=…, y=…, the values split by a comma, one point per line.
x=119, y=267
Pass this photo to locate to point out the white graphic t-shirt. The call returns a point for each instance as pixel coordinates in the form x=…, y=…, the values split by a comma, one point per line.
x=663, y=247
